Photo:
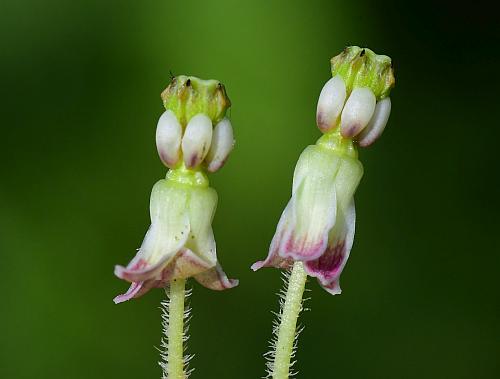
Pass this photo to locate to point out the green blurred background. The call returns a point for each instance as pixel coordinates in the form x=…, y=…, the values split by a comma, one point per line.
x=80, y=85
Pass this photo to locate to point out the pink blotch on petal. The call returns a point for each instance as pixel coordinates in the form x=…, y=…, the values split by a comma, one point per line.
x=328, y=267
x=302, y=249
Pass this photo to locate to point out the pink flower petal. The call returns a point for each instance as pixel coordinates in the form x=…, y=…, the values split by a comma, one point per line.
x=313, y=204
x=184, y=265
x=216, y=279
x=273, y=258
x=131, y=293
x=141, y=270
x=329, y=266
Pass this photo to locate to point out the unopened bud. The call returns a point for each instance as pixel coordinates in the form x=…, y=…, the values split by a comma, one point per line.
x=377, y=124
x=187, y=96
x=361, y=67
x=168, y=138
x=357, y=112
x=330, y=103
x=222, y=144
x=196, y=140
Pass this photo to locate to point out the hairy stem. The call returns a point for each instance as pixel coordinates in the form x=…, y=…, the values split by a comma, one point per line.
x=175, y=334
x=288, y=325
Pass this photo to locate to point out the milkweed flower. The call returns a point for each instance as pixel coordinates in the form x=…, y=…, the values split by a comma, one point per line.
x=317, y=226
x=193, y=137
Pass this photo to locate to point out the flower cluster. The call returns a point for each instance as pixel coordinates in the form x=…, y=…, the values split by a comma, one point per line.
x=317, y=226
x=180, y=242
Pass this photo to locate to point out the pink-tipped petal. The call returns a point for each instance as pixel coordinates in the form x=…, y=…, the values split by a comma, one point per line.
x=273, y=258
x=357, y=112
x=131, y=293
x=313, y=205
x=167, y=234
x=196, y=140
x=138, y=273
x=329, y=266
x=184, y=265
x=330, y=103
x=377, y=124
x=222, y=144
x=333, y=288
x=168, y=138
x=216, y=279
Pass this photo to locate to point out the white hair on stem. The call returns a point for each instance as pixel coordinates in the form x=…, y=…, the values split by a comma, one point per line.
x=285, y=329
x=174, y=360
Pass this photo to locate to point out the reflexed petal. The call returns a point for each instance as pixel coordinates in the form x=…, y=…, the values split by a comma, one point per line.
x=197, y=139
x=216, y=279
x=329, y=266
x=131, y=293
x=168, y=138
x=313, y=204
x=222, y=144
x=358, y=111
x=168, y=233
x=273, y=258
x=377, y=124
x=330, y=103
x=184, y=265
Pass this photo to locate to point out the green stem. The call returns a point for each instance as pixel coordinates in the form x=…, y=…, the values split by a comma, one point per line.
x=175, y=367
x=288, y=325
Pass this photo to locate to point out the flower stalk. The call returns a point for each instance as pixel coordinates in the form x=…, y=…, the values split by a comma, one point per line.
x=287, y=331
x=174, y=367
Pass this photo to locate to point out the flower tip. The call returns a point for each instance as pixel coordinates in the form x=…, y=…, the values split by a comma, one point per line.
x=330, y=103
x=257, y=265
x=333, y=288
x=168, y=138
x=131, y=293
x=377, y=124
x=357, y=112
x=221, y=146
x=197, y=139
x=119, y=270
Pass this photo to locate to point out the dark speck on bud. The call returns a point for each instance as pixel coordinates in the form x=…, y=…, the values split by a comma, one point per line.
x=362, y=53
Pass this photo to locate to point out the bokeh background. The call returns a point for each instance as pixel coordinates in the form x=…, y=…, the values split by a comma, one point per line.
x=80, y=85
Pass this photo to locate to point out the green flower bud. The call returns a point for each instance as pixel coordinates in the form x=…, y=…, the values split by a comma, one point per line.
x=361, y=67
x=187, y=96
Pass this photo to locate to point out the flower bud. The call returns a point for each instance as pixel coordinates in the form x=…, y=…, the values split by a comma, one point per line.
x=222, y=144
x=357, y=112
x=330, y=103
x=168, y=138
x=361, y=67
x=377, y=124
x=187, y=96
x=196, y=140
